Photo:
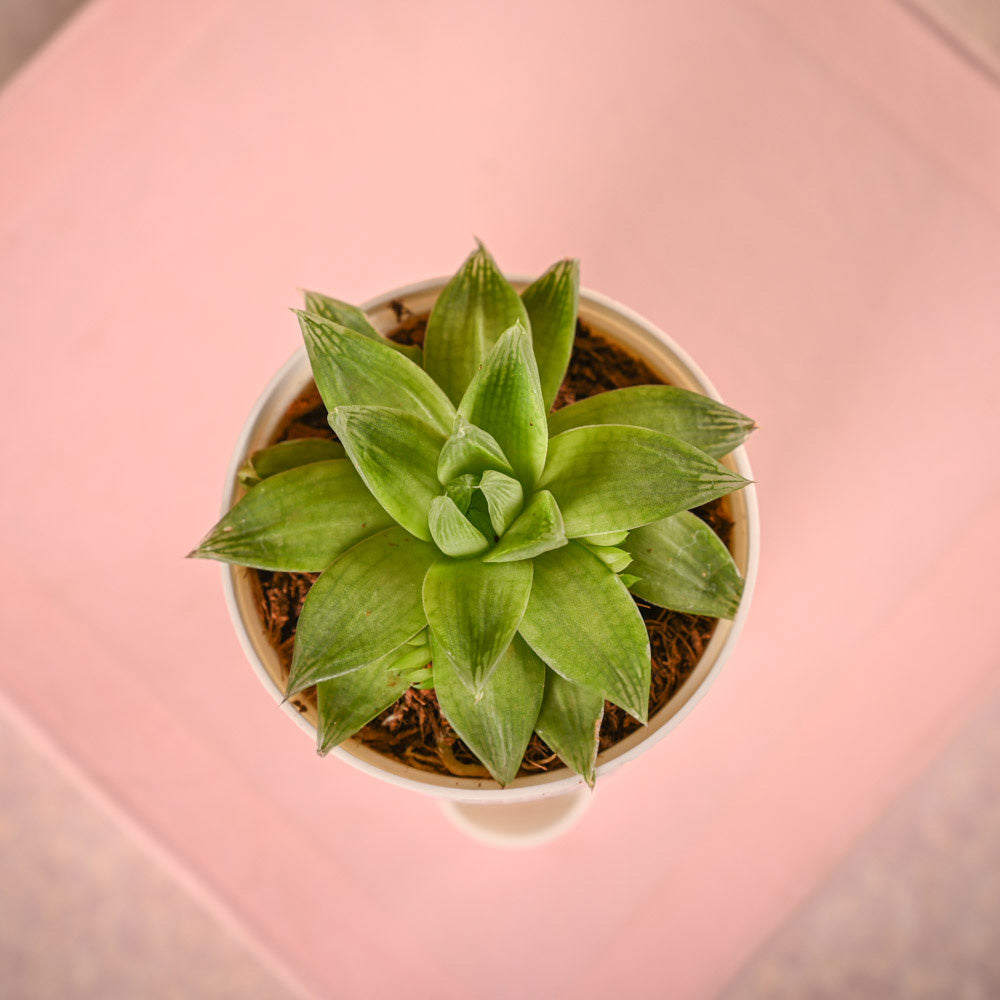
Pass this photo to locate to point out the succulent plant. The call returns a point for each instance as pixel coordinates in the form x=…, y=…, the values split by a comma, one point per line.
x=469, y=540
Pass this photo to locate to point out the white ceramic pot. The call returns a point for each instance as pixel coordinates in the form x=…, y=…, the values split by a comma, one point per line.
x=641, y=338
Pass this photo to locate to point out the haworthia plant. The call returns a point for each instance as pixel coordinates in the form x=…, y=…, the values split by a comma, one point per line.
x=469, y=540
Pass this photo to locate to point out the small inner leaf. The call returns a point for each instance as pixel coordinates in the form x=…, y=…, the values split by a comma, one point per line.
x=473, y=611
x=607, y=538
x=552, y=303
x=538, y=529
x=496, y=726
x=354, y=370
x=471, y=313
x=396, y=454
x=504, y=398
x=367, y=604
x=688, y=416
x=287, y=455
x=682, y=564
x=460, y=490
x=354, y=319
x=614, y=558
x=504, y=499
x=413, y=661
x=451, y=530
x=470, y=451
x=479, y=515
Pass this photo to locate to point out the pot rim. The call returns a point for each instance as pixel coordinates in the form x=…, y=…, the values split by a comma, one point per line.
x=522, y=789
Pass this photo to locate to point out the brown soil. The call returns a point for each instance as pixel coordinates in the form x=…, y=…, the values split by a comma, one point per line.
x=414, y=730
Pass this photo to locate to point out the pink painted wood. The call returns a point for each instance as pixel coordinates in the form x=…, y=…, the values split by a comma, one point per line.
x=805, y=198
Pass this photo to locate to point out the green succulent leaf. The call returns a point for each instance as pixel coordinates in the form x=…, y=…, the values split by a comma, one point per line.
x=614, y=478
x=583, y=623
x=473, y=610
x=354, y=370
x=504, y=499
x=682, y=564
x=497, y=726
x=469, y=451
x=348, y=702
x=505, y=400
x=451, y=530
x=479, y=515
x=614, y=558
x=688, y=416
x=607, y=538
x=297, y=521
x=354, y=319
x=287, y=455
x=461, y=491
x=570, y=723
x=552, y=303
x=628, y=579
x=396, y=454
x=473, y=309
x=414, y=655
x=365, y=605
x=538, y=529
x=422, y=680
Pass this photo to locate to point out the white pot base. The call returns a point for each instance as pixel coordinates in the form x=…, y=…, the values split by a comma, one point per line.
x=521, y=824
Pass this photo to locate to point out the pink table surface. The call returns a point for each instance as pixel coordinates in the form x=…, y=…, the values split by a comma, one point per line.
x=805, y=195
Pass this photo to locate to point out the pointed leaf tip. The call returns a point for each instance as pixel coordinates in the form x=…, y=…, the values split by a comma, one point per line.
x=682, y=564
x=299, y=520
x=496, y=722
x=582, y=621
x=552, y=303
x=456, y=596
x=354, y=319
x=372, y=593
x=346, y=703
x=504, y=399
x=471, y=313
x=611, y=477
x=351, y=368
x=570, y=723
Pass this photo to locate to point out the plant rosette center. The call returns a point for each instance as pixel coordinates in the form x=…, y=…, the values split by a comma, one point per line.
x=470, y=541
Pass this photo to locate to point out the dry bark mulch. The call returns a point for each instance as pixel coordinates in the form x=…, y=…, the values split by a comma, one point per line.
x=414, y=730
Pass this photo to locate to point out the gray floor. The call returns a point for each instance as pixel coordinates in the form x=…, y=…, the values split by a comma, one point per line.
x=85, y=913
x=912, y=911
x=972, y=26
x=25, y=25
